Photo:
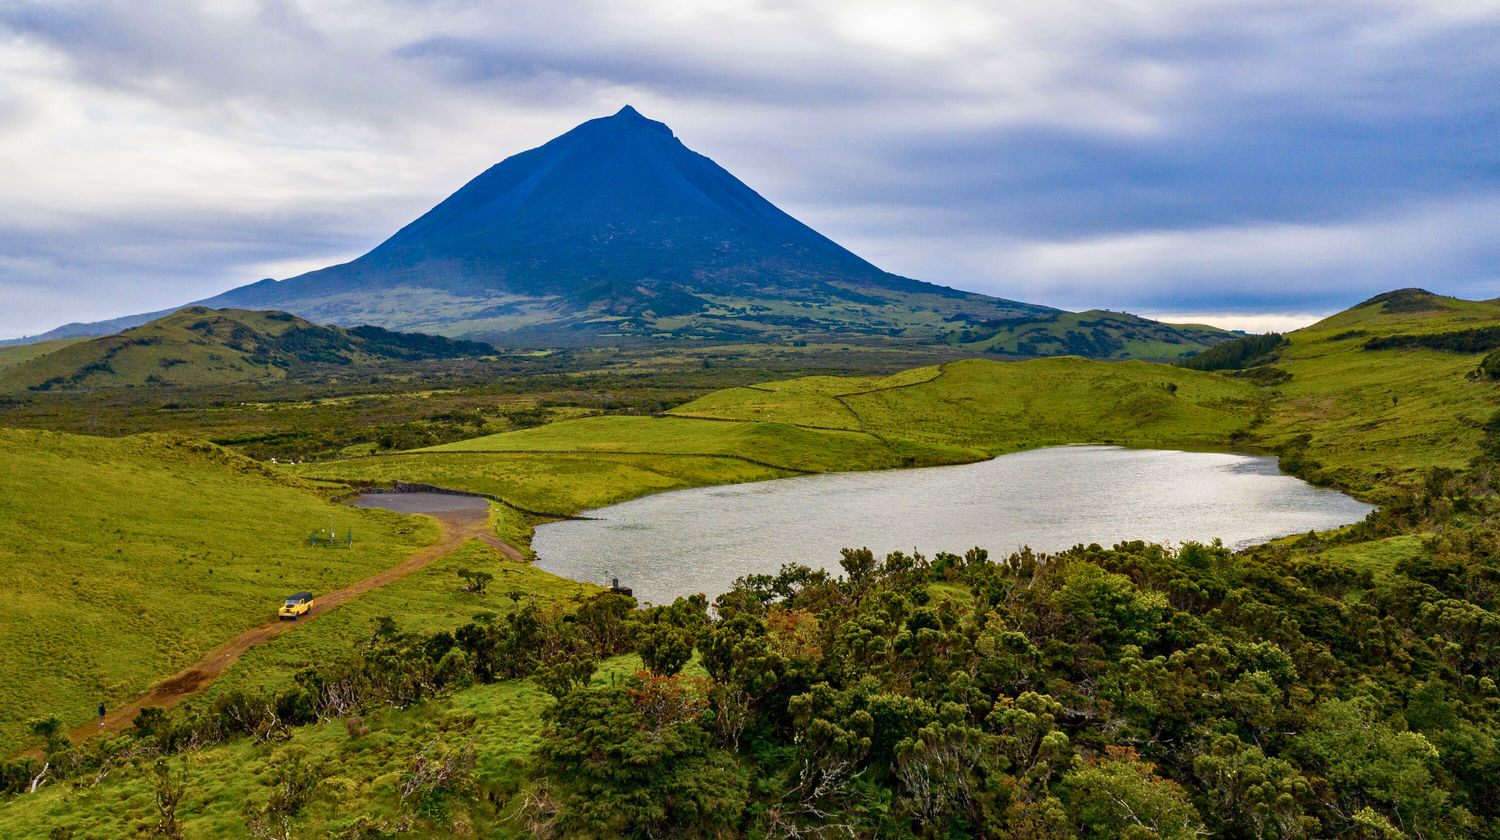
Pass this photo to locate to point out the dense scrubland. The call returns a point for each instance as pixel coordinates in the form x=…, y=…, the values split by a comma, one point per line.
x=1326, y=685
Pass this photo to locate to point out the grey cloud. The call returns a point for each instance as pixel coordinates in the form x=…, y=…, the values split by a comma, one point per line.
x=1065, y=131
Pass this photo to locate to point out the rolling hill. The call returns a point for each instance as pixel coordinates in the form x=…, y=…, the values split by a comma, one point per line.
x=1095, y=334
x=200, y=346
x=1365, y=397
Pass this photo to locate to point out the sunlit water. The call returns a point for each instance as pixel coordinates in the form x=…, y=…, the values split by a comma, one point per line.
x=700, y=540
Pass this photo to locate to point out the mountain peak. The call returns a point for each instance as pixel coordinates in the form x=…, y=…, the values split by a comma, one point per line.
x=629, y=118
x=611, y=227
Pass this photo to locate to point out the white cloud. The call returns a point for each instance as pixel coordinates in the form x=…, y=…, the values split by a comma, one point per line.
x=1250, y=322
x=952, y=142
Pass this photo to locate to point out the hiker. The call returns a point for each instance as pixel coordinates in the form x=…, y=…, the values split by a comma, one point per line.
x=101, y=715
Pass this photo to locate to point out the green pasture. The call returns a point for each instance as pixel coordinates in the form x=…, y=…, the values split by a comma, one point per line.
x=564, y=483
x=778, y=444
x=1377, y=417
x=425, y=602
x=503, y=721
x=123, y=560
x=992, y=407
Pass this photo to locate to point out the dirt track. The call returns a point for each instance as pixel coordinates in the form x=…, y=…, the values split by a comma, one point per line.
x=456, y=526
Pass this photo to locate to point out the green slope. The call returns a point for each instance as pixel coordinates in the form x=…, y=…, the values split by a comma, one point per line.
x=203, y=347
x=1378, y=417
x=123, y=560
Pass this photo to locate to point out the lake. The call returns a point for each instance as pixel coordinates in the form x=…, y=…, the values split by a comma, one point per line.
x=701, y=539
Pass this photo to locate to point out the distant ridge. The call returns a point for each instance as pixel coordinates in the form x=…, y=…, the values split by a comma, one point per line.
x=200, y=346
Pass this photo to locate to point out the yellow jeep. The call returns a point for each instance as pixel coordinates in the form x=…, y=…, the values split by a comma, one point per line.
x=296, y=605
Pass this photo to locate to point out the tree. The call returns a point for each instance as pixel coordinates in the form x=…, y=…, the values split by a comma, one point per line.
x=664, y=648
x=1378, y=770
x=475, y=581
x=635, y=760
x=167, y=789
x=1250, y=794
x=1122, y=798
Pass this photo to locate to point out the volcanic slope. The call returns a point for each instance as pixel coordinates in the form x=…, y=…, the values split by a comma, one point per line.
x=200, y=346
x=614, y=228
x=616, y=232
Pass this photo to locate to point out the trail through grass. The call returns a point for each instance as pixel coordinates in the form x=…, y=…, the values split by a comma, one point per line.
x=123, y=560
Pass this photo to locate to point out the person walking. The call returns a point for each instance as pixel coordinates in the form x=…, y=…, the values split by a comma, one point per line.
x=101, y=715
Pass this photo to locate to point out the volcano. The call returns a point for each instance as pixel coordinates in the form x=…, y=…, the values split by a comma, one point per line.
x=615, y=229
x=617, y=233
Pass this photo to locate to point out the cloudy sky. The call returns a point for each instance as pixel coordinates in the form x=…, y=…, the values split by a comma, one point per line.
x=1253, y=164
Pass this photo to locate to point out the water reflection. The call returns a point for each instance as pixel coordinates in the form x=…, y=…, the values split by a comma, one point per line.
x=700, y=540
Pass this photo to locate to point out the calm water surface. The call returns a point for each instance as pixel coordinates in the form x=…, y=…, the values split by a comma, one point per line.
x=700, y=540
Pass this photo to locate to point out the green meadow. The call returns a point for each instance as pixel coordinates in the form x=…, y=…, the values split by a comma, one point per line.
x=427, y=601
x=123, y=560
x=993, y=407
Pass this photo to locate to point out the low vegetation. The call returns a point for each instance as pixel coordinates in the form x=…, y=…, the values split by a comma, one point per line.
x=1334, y=685
x=1237, y=354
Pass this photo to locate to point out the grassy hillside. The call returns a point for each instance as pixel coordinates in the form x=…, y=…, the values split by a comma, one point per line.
x=203, y=347
x=427, y=601
x=1379, y=417
x=123, y=560
x=1096, y=334
x=13, y=355
x=995, y=407
x=502, y=722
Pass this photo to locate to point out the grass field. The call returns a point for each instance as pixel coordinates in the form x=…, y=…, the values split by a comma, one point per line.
x=123, y=560
x=424, y=602
x=550, y=483
x=1376, y=417
x=993, y=407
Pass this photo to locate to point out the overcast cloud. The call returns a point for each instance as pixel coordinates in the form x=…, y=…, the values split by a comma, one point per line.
x=1191, y=159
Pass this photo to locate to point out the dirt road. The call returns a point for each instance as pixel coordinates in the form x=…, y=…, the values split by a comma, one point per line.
x=456, y=526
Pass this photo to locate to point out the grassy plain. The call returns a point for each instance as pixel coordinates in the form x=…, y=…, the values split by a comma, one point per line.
x=992, y=407
x=123, y=560
x=548, y=483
